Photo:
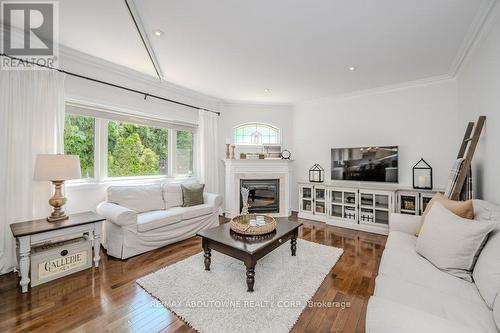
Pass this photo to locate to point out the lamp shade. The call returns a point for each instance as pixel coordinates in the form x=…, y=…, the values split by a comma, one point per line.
x=57, y=167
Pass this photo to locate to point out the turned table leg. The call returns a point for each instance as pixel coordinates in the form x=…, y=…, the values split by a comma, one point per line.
x=207, y=260
x=293, y=246
x=97, y=243
x=250, y=278
x=24, y=248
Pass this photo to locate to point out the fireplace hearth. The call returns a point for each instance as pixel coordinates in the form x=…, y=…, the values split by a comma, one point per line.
x=263, y=196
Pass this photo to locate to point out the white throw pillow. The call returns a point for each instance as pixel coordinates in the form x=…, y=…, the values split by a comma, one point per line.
x=141, y=198
x=486, y=273
x=452, y=243
x=172, y=193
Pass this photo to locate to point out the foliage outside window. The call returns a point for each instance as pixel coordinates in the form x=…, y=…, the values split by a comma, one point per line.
x=184, y=153
x=136, y=150
x=79, y=139
x=256, y=133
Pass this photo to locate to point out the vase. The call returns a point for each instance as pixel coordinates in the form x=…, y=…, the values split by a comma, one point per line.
x=244, y=196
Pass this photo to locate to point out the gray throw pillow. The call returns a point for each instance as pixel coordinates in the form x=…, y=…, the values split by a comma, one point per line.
x=192, y=194
x=452, y=243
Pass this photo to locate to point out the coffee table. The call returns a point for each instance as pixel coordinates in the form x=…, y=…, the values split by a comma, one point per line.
x=248, y=249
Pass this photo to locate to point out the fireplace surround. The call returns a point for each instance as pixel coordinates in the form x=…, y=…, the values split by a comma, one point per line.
x=267, y=169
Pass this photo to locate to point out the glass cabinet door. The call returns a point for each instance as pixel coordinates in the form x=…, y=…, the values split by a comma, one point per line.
x=307, y=192
x=425, y=198
x=306, y=205
x=381, y=217
x=366, y=199
x=381, y=201
x=350, y=213
x=350, y=198
x=336, y=210
x=319, y=207
x=408, y=204
x=320, y=194
x=306, y=200
x=336, y=196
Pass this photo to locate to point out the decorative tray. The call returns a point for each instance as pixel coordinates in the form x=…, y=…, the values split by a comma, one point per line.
x=241, y=225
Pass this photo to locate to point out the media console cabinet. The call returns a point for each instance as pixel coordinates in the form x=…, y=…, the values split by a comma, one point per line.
x=359, y=206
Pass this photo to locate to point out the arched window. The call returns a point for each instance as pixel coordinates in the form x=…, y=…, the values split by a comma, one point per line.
x=256, y=134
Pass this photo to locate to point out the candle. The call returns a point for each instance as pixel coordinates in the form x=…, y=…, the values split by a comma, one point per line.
x=422, y=181
x=228, y=141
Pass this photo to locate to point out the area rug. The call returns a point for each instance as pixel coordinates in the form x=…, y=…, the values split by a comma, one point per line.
x=217, y=301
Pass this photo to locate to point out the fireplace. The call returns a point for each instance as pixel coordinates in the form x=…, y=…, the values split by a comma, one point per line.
x=264, y=195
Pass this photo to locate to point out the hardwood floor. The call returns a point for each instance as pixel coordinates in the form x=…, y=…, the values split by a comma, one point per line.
x=107, y=299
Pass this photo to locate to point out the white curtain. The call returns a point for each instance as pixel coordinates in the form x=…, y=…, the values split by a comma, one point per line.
x=209, y=153
x=31, y=123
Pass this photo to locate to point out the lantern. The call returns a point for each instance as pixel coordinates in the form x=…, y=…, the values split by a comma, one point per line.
x=316, y=174
x=422, y=175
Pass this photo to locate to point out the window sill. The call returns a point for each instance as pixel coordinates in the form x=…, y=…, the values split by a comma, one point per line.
x=92, y=184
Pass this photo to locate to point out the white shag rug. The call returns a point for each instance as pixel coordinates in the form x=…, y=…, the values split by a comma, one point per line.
x=217, y=301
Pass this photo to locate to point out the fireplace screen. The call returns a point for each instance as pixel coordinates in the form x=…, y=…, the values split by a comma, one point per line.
x=263, y=196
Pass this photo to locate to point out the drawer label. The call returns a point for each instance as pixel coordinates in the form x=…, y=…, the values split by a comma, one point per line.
x=62, y=264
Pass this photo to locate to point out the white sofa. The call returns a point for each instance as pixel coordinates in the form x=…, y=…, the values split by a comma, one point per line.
x=141, y=218
x=412, y=295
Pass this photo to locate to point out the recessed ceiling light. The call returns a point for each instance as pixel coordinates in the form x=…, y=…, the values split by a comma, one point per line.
x=158, y=32
x=352, y=68
x=267, y=90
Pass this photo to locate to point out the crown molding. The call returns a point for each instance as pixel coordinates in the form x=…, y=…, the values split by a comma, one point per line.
x=68, y=54
x=232, y=102
x=472, y=37
x=383, y=89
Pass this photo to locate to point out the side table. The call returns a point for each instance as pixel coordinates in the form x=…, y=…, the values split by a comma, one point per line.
x=35, y=232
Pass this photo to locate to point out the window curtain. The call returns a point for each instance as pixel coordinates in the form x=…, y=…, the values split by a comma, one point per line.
x=208, y=146
x=31, y=123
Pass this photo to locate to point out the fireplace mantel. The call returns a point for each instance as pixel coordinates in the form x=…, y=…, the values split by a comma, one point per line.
x=235, y=170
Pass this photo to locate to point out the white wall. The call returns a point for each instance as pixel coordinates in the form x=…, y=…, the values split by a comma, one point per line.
x=479, y=94
x=86, y=197
x=421, y=120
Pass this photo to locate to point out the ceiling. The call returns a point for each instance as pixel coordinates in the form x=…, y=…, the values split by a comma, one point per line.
x=297, y=49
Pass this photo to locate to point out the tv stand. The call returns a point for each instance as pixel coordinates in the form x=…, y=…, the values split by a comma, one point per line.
x=359, y=206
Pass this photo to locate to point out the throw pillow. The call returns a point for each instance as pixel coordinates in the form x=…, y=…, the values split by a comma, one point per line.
x=192, y=194
x=452, y=243
x=461, y=208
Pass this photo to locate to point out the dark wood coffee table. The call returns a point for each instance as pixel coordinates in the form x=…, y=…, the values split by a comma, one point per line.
x=245, y=248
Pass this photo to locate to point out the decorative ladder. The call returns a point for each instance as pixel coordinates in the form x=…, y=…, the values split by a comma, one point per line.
x=467, y=149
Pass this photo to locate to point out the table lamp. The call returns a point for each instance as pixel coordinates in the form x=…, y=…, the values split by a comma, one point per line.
x=57, y=168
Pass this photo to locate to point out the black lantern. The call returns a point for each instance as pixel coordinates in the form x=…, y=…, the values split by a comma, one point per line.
x=422, y=175
x=316, y=174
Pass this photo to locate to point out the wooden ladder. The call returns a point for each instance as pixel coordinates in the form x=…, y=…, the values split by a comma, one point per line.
x=467, y=149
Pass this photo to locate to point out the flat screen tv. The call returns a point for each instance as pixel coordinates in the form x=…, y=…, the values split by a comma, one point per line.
x=370, y=164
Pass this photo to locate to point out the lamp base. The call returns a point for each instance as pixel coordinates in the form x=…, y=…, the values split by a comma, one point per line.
x=57, y=218
x=57, y=202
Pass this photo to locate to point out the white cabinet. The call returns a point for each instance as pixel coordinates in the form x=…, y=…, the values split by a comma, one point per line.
x=306, y=198
x=408, y=202
x=319, y=202
x=413, y=202
x=343, y=203
x=359, y=208
x=313, y=199
x=375, y=207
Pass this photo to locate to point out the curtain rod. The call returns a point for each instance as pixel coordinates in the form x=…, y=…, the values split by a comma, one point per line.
x=145, y=94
